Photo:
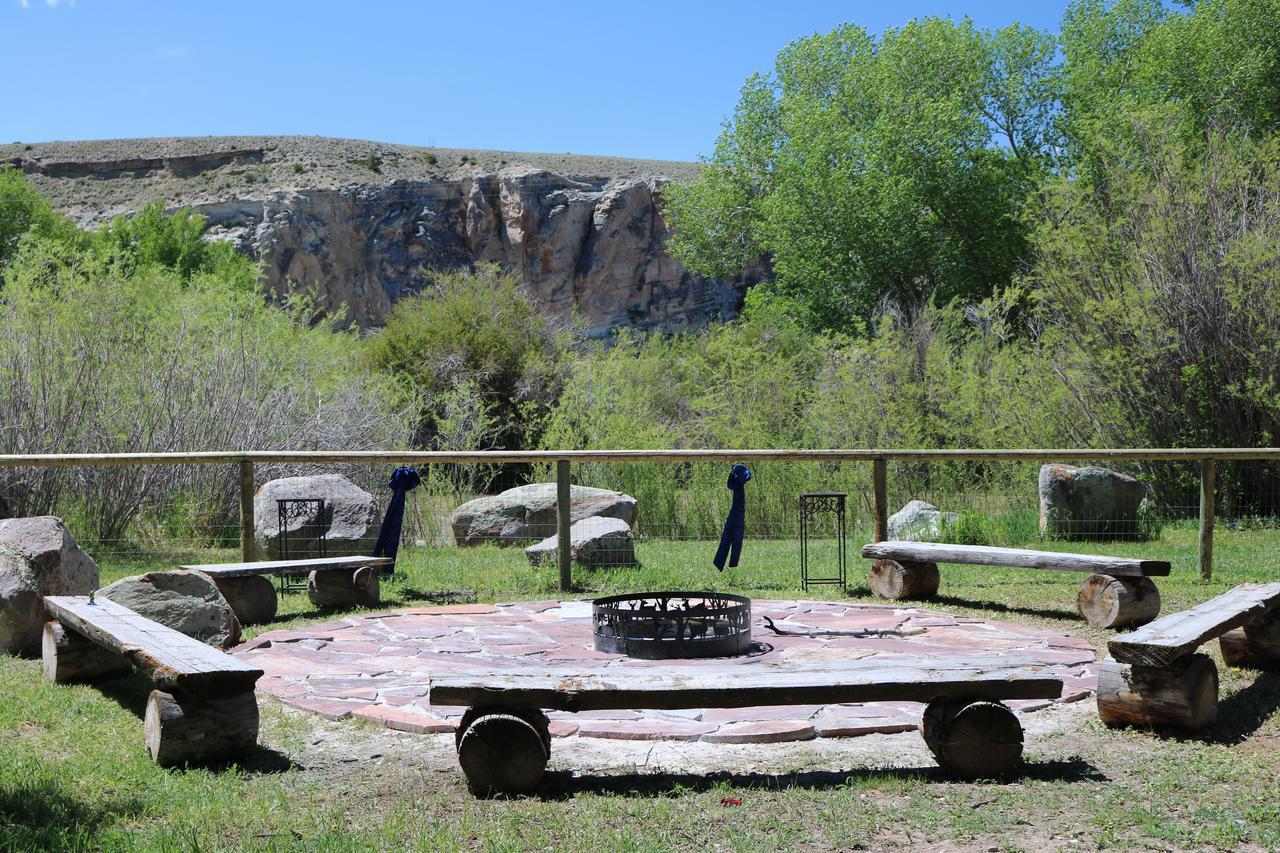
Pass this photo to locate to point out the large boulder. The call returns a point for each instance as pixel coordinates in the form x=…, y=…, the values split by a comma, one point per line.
x=188, y=602
x=593, y=542
x=1088, y=503
x=919, y=521
x=349, y=524
x=38, y=557
x=529, y=512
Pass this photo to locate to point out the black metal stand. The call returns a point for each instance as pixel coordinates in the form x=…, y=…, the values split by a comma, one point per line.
x=291, y=509
x=813, y=504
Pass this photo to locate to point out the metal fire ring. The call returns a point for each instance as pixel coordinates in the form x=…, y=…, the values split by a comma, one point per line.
x=667, y=625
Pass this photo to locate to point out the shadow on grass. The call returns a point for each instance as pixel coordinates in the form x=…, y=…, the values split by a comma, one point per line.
x=562, y=785
x=40, y=815
x=997, y=607
x=1240, y=714
x=439, y=596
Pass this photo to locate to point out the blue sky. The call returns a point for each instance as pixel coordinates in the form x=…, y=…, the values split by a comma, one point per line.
x=638, y=79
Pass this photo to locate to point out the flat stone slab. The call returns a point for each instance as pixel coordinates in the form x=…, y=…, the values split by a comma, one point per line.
x=375, y=666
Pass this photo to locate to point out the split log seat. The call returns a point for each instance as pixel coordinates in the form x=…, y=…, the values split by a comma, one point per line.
x=331, y=582
x=1155, y=677
x=503, y=742
x=1118, y=592
x=203, y=707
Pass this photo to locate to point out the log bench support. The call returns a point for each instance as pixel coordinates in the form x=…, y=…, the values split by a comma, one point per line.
x=1155, y=676
x=252, y=598
x=1118, y=593
x=336, y=588
x=503, y=750
x=203, y=710
x=973, y=739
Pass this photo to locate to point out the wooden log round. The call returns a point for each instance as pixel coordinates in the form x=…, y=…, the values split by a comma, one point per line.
x=200, y=729
x=252, y=598
x=1182, y=695
x=359, y=588
x=1110, y=602
x=69, y=657
x=895, y=580
x=973, y=740
x=1256, y=645
x=503, y=752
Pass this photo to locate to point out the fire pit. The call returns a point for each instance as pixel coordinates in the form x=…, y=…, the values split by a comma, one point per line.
x=666, y=625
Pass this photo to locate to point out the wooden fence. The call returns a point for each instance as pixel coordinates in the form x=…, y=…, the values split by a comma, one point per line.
x=563, y=459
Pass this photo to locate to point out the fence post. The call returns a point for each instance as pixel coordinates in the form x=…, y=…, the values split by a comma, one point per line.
x=562, y=524
x=1207, y=477
x=879, y=500
x=247, y=548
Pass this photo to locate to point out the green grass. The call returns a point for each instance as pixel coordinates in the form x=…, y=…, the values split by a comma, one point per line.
x=74, y=774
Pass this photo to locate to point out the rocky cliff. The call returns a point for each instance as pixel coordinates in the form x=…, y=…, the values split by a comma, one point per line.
x=361, y=224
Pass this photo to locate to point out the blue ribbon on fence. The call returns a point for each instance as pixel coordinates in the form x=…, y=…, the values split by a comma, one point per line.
x=402, y=480
x=735, y=526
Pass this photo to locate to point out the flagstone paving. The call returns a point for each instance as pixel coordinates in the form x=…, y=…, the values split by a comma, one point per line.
x=375, y=666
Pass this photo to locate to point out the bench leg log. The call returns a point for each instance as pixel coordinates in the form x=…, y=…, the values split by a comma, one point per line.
x=69, y=657
x=895, y=580
x=503, y=751
x=200, y=729
x=1111, y=602
x=1182, y=695
x=252, y=598
x=973, y=739
x=1255, y=646
x=344, y=588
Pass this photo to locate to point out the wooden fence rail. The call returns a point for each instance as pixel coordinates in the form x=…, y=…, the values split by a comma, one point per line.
x=246, y=459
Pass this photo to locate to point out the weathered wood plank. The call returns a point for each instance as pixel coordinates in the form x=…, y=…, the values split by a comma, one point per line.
x=173, y=660
x=744, y=685
x=985, y=555
x=275, y=567
x=1163, y=641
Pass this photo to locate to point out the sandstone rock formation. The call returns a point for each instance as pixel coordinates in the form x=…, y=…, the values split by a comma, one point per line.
x=361, y=224
x=529, y=512
x=349, y=524
x=1088, y=503
x=593, y=542
x=38, y=557
x=918, y=521
x=188, y=602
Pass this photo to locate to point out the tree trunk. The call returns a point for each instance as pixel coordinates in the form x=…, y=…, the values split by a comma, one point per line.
x=894, y=580
x=503, y=751
x=340, y=589
x=973, y=740
x=200, y=730
x=1110, y=602
x=253, y=598
x=1256, y=645
x=70, y=657
x=1181, y=695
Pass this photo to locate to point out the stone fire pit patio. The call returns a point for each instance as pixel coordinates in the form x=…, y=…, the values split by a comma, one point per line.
x=375, y=666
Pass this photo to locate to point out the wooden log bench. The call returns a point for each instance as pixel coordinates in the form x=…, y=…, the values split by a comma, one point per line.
x=1154, y=676
x=335, y=582
x=1118, y=592
x=203, y=707
x=503, y=742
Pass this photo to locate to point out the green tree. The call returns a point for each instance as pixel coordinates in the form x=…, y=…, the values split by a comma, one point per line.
x=868, y=169
x=24, y=210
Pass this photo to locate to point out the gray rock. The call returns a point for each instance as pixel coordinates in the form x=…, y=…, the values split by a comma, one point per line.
x=594, y=541
x=919, y=521
x=350, y=524
x=38, y=557
x=529, y=512
x=1088, y=503
x=188, y=602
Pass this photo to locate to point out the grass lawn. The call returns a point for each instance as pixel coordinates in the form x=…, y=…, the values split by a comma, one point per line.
x=74, y=773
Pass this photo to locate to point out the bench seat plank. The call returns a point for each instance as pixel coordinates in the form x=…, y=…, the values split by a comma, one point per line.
x=273, y=567
x=986, y=555
x=740, y=686
x=1163, y=641
x=173, y=660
